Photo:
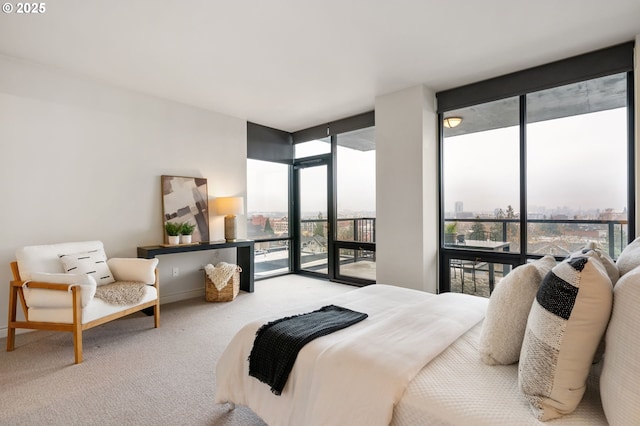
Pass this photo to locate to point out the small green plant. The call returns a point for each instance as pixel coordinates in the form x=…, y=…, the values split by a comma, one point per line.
x=451, y=228
x=173, y=228
x=187, y=228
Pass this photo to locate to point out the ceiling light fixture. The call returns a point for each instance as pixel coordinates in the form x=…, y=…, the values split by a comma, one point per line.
x=451, y=122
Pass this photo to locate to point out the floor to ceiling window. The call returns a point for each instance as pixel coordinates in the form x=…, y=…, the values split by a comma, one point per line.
x=311, y=200
x=269, y=199
x=334, y=185
x=356, y=205
x=534, y=172
x=268, y=216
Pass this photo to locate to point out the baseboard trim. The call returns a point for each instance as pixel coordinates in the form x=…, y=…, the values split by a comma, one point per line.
x=176, y=297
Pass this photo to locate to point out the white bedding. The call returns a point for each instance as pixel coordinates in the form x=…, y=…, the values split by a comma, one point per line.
x=457, y=388
x=354, y=376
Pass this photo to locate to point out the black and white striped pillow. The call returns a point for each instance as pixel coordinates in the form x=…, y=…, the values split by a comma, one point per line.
x=92, y=262
x=566, y=323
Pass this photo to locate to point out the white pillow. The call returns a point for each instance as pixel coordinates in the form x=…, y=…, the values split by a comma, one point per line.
x=629, y=259
x=92, y=262
x=566, y=323
x=509, y=306
x=619, y=388
x=43, y=298
x=609, y=264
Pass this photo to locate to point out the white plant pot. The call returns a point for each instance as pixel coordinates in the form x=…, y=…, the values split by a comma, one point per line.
x=174, y=239
x=185, y=239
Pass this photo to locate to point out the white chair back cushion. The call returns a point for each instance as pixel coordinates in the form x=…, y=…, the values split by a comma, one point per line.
x=46, y=258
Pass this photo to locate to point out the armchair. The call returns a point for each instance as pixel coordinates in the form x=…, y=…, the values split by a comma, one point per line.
x=56, y=287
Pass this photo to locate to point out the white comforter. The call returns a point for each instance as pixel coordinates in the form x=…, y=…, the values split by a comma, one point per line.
x=354, y=376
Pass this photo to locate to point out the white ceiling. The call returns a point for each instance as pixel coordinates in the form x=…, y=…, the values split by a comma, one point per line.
x=292, y=64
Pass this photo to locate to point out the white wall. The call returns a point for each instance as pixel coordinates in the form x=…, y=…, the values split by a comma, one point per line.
x=406, y=194
x=81, y=160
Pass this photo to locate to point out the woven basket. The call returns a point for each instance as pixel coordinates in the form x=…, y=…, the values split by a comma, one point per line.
x=227, y=293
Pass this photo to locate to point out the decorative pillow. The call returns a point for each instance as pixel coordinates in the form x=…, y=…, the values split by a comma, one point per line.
x=509, y=306
x=629, y=259
x=609, y=264
x=620, y=376
x=565, y=325
x=93, y=262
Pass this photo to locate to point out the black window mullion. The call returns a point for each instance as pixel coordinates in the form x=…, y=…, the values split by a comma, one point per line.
x=523, y=179
x=631, y=203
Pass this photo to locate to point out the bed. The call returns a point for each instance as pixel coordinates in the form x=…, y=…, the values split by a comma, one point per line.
x=414, y=360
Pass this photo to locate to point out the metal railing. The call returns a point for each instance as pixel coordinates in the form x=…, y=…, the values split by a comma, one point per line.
x=567, y=234
x=361, y=229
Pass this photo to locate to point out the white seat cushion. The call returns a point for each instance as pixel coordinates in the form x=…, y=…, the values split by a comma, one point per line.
x=96, y=309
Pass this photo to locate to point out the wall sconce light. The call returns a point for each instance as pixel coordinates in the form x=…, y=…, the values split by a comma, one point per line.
x=451, y=122
x=230, y=207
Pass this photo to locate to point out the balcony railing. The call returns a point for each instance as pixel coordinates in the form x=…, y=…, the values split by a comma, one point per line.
x=361, y=229
x=544, y=236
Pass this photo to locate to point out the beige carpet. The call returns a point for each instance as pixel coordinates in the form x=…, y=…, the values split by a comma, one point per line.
x=133, y=374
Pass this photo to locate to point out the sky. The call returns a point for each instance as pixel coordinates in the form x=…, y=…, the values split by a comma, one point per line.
x=577, y=161
x=356, y=184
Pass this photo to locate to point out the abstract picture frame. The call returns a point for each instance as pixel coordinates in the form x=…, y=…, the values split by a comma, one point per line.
x=185, y=199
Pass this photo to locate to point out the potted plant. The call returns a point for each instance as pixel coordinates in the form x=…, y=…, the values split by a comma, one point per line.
x=173, y=231
x=186, y=229
x=450, y=233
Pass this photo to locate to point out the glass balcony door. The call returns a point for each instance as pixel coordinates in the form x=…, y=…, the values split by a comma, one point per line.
x=313, y=219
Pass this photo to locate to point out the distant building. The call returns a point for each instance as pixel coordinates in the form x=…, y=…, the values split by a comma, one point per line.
x=458, y=208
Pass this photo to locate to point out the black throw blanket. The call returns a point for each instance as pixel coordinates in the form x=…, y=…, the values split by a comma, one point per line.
x=277, y=343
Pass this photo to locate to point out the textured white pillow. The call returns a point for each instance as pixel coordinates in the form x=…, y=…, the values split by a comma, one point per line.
x=609, y=264
x=92, y=262
x=620, y=377
x=509, y=306
x=629, y=259
x=566, y=323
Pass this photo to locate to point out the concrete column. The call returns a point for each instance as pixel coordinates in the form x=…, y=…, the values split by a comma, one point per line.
x=407, y=188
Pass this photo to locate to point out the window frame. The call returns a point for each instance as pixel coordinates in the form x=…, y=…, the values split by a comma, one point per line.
x=614, y=60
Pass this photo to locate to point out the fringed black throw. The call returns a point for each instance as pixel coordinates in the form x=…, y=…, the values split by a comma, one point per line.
x=277, y=343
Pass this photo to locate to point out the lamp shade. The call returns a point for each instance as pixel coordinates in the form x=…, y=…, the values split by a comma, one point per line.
x=229, y=205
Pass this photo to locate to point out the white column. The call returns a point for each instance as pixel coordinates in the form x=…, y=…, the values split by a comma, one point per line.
x=407, y=188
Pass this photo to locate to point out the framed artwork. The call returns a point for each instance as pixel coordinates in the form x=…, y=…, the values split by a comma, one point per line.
x=185, y=199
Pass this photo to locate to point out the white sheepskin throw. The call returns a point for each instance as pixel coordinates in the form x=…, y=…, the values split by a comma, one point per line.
x=121, y=293
x=220, y=274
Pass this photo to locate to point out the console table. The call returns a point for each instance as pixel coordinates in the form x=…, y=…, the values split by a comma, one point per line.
x=244, y=255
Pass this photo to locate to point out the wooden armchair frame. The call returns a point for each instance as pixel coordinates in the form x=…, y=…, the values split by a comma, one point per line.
x=16, y=293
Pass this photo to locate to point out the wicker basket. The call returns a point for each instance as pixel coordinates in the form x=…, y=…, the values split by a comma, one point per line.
x=227, y=293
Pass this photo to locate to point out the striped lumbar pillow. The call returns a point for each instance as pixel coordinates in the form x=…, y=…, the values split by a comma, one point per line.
x=92, y=263
x=565, y=325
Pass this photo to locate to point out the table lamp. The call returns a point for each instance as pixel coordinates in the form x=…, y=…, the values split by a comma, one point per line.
x=230, y=207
